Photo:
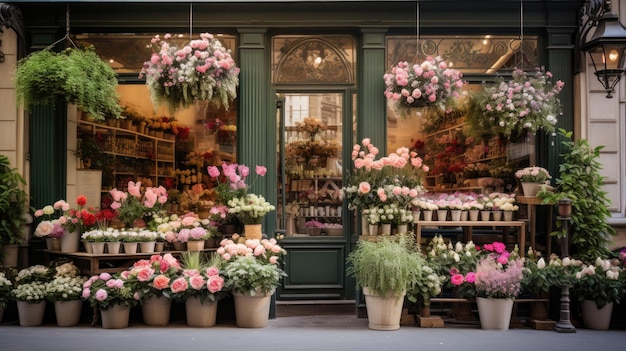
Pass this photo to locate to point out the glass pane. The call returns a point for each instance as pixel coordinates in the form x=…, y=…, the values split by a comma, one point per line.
x=312, y=164
x=479, y=54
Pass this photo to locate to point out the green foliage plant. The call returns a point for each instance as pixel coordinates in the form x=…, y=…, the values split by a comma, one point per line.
x=580, y=180
x=77, y=76
x=13, y=203
x=390, y=265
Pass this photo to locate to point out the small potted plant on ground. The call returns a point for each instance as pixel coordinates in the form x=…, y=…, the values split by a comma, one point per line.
x=5, y=293
x=385, y=270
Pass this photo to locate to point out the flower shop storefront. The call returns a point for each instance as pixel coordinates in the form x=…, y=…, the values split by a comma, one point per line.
x=305, y=92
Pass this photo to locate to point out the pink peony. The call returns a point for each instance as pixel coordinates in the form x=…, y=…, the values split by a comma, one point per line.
x=101, y=295
x=215, y=283
x=196, y=282
x=179, y=285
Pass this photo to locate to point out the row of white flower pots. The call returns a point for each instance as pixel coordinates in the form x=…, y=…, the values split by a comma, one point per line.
x=462, y=215
x=117, y=247
x=32, y=314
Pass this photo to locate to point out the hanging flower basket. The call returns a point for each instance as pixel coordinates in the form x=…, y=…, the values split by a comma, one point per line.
x=428, y=84
x=525, y=104
x=202, y=70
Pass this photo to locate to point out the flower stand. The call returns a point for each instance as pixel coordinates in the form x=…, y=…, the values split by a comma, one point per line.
x=200, y=314
x=115, y=317
x=68, y=312
x=31, y=314
x=494, y=314
x=156, y=310
x=252, y=311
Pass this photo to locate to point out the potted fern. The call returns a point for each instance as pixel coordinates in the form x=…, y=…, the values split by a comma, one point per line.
x=76, y=76
x=386, y=270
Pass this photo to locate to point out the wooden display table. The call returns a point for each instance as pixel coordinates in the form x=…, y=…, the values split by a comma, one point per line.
x=532, y=202
x=92, y=264
x=468, y=225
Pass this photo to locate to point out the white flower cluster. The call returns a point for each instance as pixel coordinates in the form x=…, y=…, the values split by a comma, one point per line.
x=4, y=281
x=31, y=292
x=112, y=235
x=37, y=270
x=65, y=288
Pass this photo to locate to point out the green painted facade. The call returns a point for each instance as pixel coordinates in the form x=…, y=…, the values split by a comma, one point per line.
x=553, y=21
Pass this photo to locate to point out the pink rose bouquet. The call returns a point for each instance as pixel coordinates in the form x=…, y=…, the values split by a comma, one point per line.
x=206, y=283
x=153, y=277
x=105, y=290
x=137, y=206
x=396, y=178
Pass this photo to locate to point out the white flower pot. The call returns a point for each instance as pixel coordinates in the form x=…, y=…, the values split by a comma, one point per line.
x=494, y=314
x=383, y=312
x=130, y=248
x=252, y=311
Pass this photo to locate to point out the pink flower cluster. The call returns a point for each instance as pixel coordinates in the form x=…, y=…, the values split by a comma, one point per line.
x=392, y=178
x=201, y=70
x=108, y=285
x=231, y=180
x=418, y=85
x=193, y=280
x=496, y=274
x=188, y=227
x=149, y=198
x=264, y=250
x=155, y=273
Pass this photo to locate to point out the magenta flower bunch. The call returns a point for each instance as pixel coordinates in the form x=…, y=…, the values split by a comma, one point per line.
x=202, y=70
x=499, y=274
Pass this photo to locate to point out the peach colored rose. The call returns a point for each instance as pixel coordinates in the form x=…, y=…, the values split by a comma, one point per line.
x=161, y=282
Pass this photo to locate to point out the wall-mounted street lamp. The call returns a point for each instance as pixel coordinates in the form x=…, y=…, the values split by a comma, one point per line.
x=607, y=45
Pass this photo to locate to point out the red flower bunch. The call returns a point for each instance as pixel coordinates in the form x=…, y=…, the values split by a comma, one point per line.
x=182, y=133
x=153, y=277
x=103, y=217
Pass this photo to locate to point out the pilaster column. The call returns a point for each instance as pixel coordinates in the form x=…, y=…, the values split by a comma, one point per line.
x=372, y=105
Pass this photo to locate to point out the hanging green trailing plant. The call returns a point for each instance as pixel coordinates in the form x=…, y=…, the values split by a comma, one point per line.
x=77, y=76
